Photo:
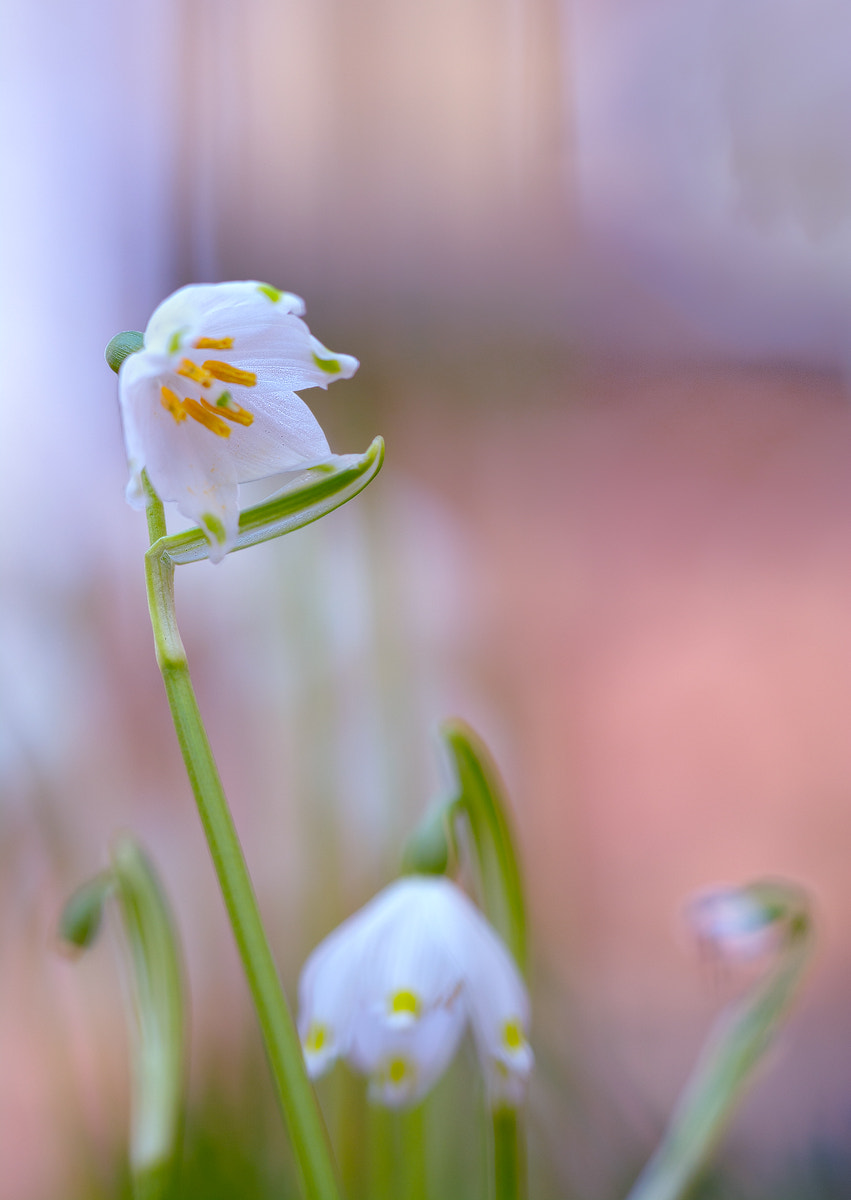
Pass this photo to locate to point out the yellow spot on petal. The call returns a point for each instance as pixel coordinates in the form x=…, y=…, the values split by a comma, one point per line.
x=329, y=365
x=397, y=1070
x=207, y=416
x=214, y=343
x=228, y=374
x=512, y=1036
x=317, y=1036
x=192, y=371
x=171, y=403
x=406, y=1002
x=267, y=290
x=232, y=411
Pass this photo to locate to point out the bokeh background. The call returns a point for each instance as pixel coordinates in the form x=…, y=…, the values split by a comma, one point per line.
x=595, y=258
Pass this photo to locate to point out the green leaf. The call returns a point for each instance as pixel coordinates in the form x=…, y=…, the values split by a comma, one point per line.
x=123, y=345
x=480, y=795
x=306, y=499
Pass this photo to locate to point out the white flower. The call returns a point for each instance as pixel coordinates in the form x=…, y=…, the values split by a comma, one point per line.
x=733, y=923
x=209, y=402
x=393, y=988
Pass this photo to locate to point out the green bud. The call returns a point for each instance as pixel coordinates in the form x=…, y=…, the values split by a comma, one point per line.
x=121, y=346
x=427, y=849
x=81, y=917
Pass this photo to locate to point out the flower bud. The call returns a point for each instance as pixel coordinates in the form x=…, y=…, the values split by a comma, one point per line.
x=427, y=849
x=81, y=917
x=123, y=345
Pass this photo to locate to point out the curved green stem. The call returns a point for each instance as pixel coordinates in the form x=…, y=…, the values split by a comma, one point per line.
x=298, y=1101
x=734, y=1048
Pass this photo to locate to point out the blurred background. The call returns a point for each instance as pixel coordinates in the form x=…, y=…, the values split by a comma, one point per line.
x=595, y=258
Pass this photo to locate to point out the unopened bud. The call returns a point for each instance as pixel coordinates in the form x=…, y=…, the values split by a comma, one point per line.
x=81, y=917
x=123, y=345
x=427, y=849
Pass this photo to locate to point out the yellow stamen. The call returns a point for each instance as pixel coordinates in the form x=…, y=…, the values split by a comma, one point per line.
x=240, y=415
x=228, y=374
x=406, y=1002
x=317, y=1035
x=171, y=403
x=192, y=371
x=214, y=343
x=512, y=1036
x=207, y=417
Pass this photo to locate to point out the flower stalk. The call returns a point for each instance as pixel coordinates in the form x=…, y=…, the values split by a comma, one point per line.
x=301, y=1111
x=509, y=1151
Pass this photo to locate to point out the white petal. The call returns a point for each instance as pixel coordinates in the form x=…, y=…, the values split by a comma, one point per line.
x=215, y=310
x=184, y=461
x=403, y=1064
x=328, y=989
x=498, y=1003
x=412, y=946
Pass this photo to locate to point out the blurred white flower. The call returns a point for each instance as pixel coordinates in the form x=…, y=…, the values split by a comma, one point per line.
x=392, y=989
x=209, y=402
x=733, y=923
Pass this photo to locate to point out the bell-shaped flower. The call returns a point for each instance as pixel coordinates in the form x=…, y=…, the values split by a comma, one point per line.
x=209, y=401
x=394, y=987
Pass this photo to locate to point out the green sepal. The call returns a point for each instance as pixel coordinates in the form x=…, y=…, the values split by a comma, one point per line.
x=158, y=1044
x=310, y=496
x=479, y=795
x=122, y=346
x=82, y=915
x=428, y=850
x=735, y=1046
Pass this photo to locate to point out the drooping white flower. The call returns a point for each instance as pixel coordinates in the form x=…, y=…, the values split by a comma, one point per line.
x=392, y=989
x=209, y=402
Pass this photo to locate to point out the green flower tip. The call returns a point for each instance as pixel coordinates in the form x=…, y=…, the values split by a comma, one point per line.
x=122, y=345
x=214, y=527
x=273, y=293
x=82, y=914
x=329, y=365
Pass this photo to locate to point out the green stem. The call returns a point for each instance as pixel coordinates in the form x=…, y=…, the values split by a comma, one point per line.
x=298, y=1101
x=382, y=1153
x=412, y=1135
x=509, y=1168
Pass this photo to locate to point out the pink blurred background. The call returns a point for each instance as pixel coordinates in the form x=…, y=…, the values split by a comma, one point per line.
x=594, y=258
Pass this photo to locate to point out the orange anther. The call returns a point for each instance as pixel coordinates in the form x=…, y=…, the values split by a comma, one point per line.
x=192, y=371
x=202, y=414
x=171, y=403
x=240, y=415
x=228, y=374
